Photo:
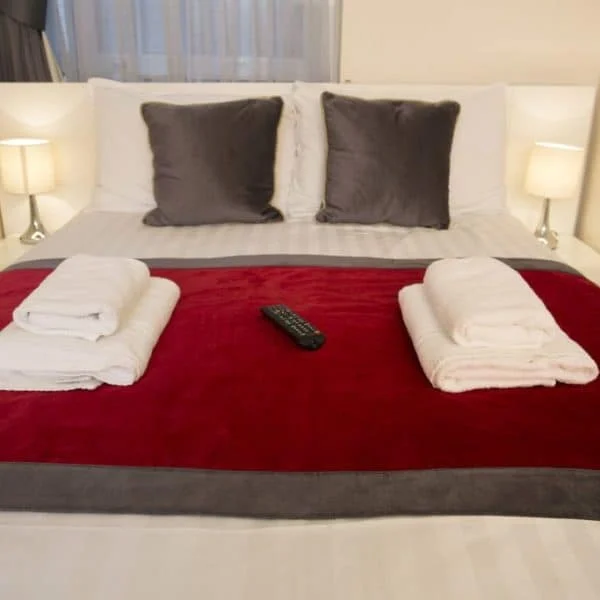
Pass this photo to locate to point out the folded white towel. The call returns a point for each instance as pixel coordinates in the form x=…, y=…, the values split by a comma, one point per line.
x=481, y=301
x=32, y=362
x=454, y=368
x=85, y=296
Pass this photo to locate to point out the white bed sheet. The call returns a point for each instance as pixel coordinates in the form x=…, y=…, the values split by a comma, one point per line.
x=127, y=557
x=145, y=558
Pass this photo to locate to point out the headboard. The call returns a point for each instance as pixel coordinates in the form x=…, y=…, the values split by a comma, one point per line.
x=63, y=113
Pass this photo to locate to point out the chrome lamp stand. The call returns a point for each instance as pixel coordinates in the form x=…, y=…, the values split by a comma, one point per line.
x=36, y=231
x=543, y=232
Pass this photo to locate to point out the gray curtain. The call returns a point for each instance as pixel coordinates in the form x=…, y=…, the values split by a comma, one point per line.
x=22, y=54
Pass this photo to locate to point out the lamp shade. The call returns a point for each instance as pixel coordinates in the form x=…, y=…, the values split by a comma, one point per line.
x=554, y=170
x=26, y=166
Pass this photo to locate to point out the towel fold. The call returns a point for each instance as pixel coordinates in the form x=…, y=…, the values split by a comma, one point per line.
x=54, y=363
x=454, y=368
x=480, y=301
x=85, y=297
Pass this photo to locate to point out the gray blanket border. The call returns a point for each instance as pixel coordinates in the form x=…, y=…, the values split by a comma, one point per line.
x=304, y=260
x=540, y=492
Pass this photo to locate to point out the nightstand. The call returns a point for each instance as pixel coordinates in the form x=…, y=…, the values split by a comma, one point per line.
x=10, y=249
x=580, y=256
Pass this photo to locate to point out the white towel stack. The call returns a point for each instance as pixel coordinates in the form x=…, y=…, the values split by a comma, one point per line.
x=475, y=323
x=91, y=321
x=85, y=297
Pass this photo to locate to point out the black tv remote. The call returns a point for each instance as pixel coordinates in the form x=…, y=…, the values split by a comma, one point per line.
x=301, y=331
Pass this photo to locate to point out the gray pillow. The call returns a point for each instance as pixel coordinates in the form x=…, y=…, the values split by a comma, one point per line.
x=213, y=163
x=388, y=161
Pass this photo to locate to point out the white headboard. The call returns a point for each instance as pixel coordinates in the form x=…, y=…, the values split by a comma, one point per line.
x=63, y=113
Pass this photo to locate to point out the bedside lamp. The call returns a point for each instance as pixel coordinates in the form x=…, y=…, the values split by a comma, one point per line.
x=26, y=167
x=553, y=173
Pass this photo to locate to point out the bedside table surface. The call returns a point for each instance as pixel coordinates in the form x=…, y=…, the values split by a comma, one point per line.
x=10, y=250
x=580, y=256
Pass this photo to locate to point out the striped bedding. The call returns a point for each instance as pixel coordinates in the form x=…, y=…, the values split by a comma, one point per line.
x=112, y=233
x=138, y=557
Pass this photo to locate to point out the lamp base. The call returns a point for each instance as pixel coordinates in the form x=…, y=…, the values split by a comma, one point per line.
x=543, y=232
x=36, y=231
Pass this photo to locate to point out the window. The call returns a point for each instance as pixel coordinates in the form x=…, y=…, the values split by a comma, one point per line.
x=196, y=39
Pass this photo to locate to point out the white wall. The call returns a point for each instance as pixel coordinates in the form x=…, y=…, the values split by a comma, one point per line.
x=61, y=113
x=471, y=41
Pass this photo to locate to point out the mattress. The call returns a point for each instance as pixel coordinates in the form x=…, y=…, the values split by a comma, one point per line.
x=130, y=557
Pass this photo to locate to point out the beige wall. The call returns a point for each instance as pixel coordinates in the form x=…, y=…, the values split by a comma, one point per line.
x=471, y=41
x=588, y=226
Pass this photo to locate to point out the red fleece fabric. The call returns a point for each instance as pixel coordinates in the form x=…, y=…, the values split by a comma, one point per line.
x=225, y=389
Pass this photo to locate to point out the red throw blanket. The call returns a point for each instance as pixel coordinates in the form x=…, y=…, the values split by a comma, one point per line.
x=225, y=389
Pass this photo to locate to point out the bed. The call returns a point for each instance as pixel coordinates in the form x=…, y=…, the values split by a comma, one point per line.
x=102, y=532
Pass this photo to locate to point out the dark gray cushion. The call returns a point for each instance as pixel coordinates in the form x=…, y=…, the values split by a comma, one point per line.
x=213, y=163
x=388, y=161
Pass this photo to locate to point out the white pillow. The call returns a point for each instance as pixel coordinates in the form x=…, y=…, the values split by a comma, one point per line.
x=477, y=161
x=124, y=169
